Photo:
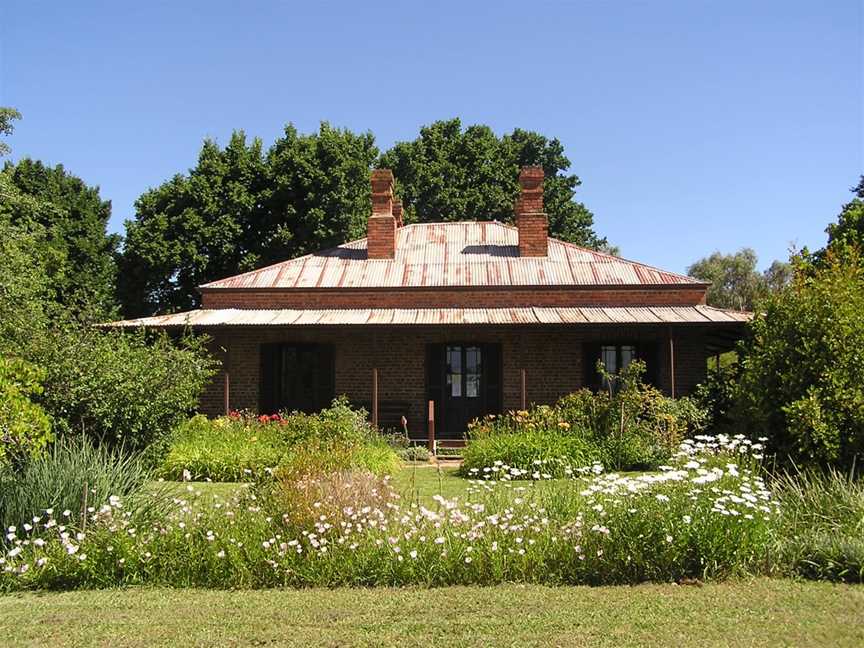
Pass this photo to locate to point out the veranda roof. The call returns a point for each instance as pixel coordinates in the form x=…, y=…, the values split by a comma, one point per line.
x=206, y=318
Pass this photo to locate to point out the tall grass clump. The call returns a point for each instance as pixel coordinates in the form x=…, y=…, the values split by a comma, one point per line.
x=72, y=477
x=821, y=529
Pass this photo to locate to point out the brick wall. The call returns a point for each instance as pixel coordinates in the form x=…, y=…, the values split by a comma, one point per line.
x=551, y=356
x=451, y=298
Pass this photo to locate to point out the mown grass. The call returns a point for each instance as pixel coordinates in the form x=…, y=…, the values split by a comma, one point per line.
x=761, y=612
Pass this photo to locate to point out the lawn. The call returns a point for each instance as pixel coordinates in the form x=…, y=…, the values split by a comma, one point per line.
x=761, y=612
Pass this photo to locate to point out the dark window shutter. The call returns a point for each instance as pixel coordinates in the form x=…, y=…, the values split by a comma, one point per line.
x=269, y=387
x=435, y=382
x=649, y=353
x=590, y=356
x=492, y=378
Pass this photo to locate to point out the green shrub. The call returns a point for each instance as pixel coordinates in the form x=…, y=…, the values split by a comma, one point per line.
x=243, y=447
x=25, y=429
x=62, y=478
x=802, y=383
x=126, y=389
x=630, y=426
x=414, y=453
x=536, y=451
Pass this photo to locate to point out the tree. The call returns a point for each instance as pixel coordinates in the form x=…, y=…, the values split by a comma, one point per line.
x=240, y=209
x=802, y=383
x=71, y=220
x=448, y=174
x=848, y=231
x=735, y=282
x=7, y=116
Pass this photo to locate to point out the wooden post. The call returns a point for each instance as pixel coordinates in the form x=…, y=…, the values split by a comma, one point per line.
x=375, y=398
x=671, y=363
x=524, y=391
x=432, y=427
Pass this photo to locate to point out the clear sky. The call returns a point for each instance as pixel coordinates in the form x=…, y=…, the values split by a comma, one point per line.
x=695, y=126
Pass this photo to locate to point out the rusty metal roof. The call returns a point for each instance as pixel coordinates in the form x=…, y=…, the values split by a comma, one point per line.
x=205, y=318
x=453, y=254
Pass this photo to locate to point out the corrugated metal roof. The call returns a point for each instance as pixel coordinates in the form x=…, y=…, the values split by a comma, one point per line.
x=453, y=254
x=441, y=316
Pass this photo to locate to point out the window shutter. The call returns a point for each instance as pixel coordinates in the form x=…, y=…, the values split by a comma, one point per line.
x=492, y=378
x=649, y=353
x=269, y=386
x=590, y=356
x=435, y=382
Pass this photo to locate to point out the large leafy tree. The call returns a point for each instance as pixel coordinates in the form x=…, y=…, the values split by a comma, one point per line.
x=848, y=231
x=450, y=173
x=70, y=219
x=240, y=208
x=735, y=281
x=7, y=116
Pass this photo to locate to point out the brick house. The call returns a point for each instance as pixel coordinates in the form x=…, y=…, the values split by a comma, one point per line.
x=477, y=317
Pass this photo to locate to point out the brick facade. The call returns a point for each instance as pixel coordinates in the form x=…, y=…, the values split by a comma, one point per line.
x=487, y=297
x=551, y=356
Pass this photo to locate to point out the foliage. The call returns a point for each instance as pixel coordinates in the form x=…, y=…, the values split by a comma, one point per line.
x=821, y=533
x=414, y=453
x=7, y=116
x=69, y=218
x=846, y=233
x=803, y=373
x=448, y=173
x=71, y=481
x=241, y=208
x=718, y=396
x=697, y=520
x=243, y=447
x=121, y=388
x=25, y=428
x=735, y=282
x=632, y=425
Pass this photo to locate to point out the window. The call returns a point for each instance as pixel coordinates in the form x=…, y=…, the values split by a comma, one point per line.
x=617, y=356
x=296, y=377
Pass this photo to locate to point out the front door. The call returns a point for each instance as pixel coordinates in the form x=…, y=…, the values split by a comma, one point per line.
x=464, y=380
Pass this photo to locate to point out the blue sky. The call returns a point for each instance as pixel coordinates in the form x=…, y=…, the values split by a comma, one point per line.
x=695, y=126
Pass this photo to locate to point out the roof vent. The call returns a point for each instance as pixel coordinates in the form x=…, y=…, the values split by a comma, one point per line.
x=531, y=221
x=381, y=229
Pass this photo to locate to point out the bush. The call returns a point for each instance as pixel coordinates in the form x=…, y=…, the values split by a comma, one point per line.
x=802, y=384
x=414, y=453
x=243, y=447
x=630, y=426
x=125, y=389
x=70, y=472
x=25, y=429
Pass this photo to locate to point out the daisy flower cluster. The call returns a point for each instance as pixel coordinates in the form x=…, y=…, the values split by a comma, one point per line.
x=706, y=515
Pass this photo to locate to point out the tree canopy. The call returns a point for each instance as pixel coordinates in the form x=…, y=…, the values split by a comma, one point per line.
x=69, y=218
x=241, y=208
x=450, y=173
x=7, y=116
x=735, y=281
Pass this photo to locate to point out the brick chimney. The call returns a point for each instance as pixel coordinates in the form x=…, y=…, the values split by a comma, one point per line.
x=381, y=241
x=530, y=219
x=397, y=212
